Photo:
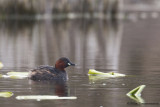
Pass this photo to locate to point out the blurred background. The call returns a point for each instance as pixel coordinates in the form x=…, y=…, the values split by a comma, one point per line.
x=107, y=35
x=87, y=31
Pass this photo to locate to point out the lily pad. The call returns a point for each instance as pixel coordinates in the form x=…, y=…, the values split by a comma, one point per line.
x=44, y=97
x=135, y=94
x=16, y=75
x=1, y=75
x=1, y=65
x=6, y=94
x=110, y=74
x=12, y=73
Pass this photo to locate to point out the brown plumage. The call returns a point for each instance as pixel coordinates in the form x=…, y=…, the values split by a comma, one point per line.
x=50, y=72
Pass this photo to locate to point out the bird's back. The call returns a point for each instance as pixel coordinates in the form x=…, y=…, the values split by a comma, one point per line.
x=47, y=73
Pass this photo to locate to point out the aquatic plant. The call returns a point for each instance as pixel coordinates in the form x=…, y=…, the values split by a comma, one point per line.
x=135, y=94
x=16, y=75
x=1, y=65
x=110, y=74
x=44, y=97
x=6, y=94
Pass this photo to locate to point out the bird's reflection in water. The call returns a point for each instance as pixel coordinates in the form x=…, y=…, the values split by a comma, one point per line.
x=58, y=88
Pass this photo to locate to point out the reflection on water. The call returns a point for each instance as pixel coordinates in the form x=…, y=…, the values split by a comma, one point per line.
x=124, y=47
x=45, y=42
x=58, y=88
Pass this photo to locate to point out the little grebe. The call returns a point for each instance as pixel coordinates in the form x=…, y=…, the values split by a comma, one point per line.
x=50, y=72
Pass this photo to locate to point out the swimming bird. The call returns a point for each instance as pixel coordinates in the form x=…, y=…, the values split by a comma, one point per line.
x=51, y=73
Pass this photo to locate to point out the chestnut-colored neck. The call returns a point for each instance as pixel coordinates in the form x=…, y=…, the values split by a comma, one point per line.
x=60, y=65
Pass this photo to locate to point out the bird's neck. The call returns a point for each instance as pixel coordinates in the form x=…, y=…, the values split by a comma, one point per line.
x=60, y=68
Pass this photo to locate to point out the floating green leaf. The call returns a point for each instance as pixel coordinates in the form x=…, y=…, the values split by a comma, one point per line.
x=16, y=75
x=6, y=94
x=1, y=65
x=94, y=78
x=110, y=74
x=12, y=73
x=44, y=97
x=137, y=91
x=135, y=94
x=1, y=75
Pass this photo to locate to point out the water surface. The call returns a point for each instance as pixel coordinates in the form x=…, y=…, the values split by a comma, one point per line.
x=126, y=47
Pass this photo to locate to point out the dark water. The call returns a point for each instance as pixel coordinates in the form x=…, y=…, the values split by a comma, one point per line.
x=126, y=47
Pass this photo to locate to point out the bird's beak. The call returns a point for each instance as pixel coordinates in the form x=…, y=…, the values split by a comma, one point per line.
x=71, y=64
